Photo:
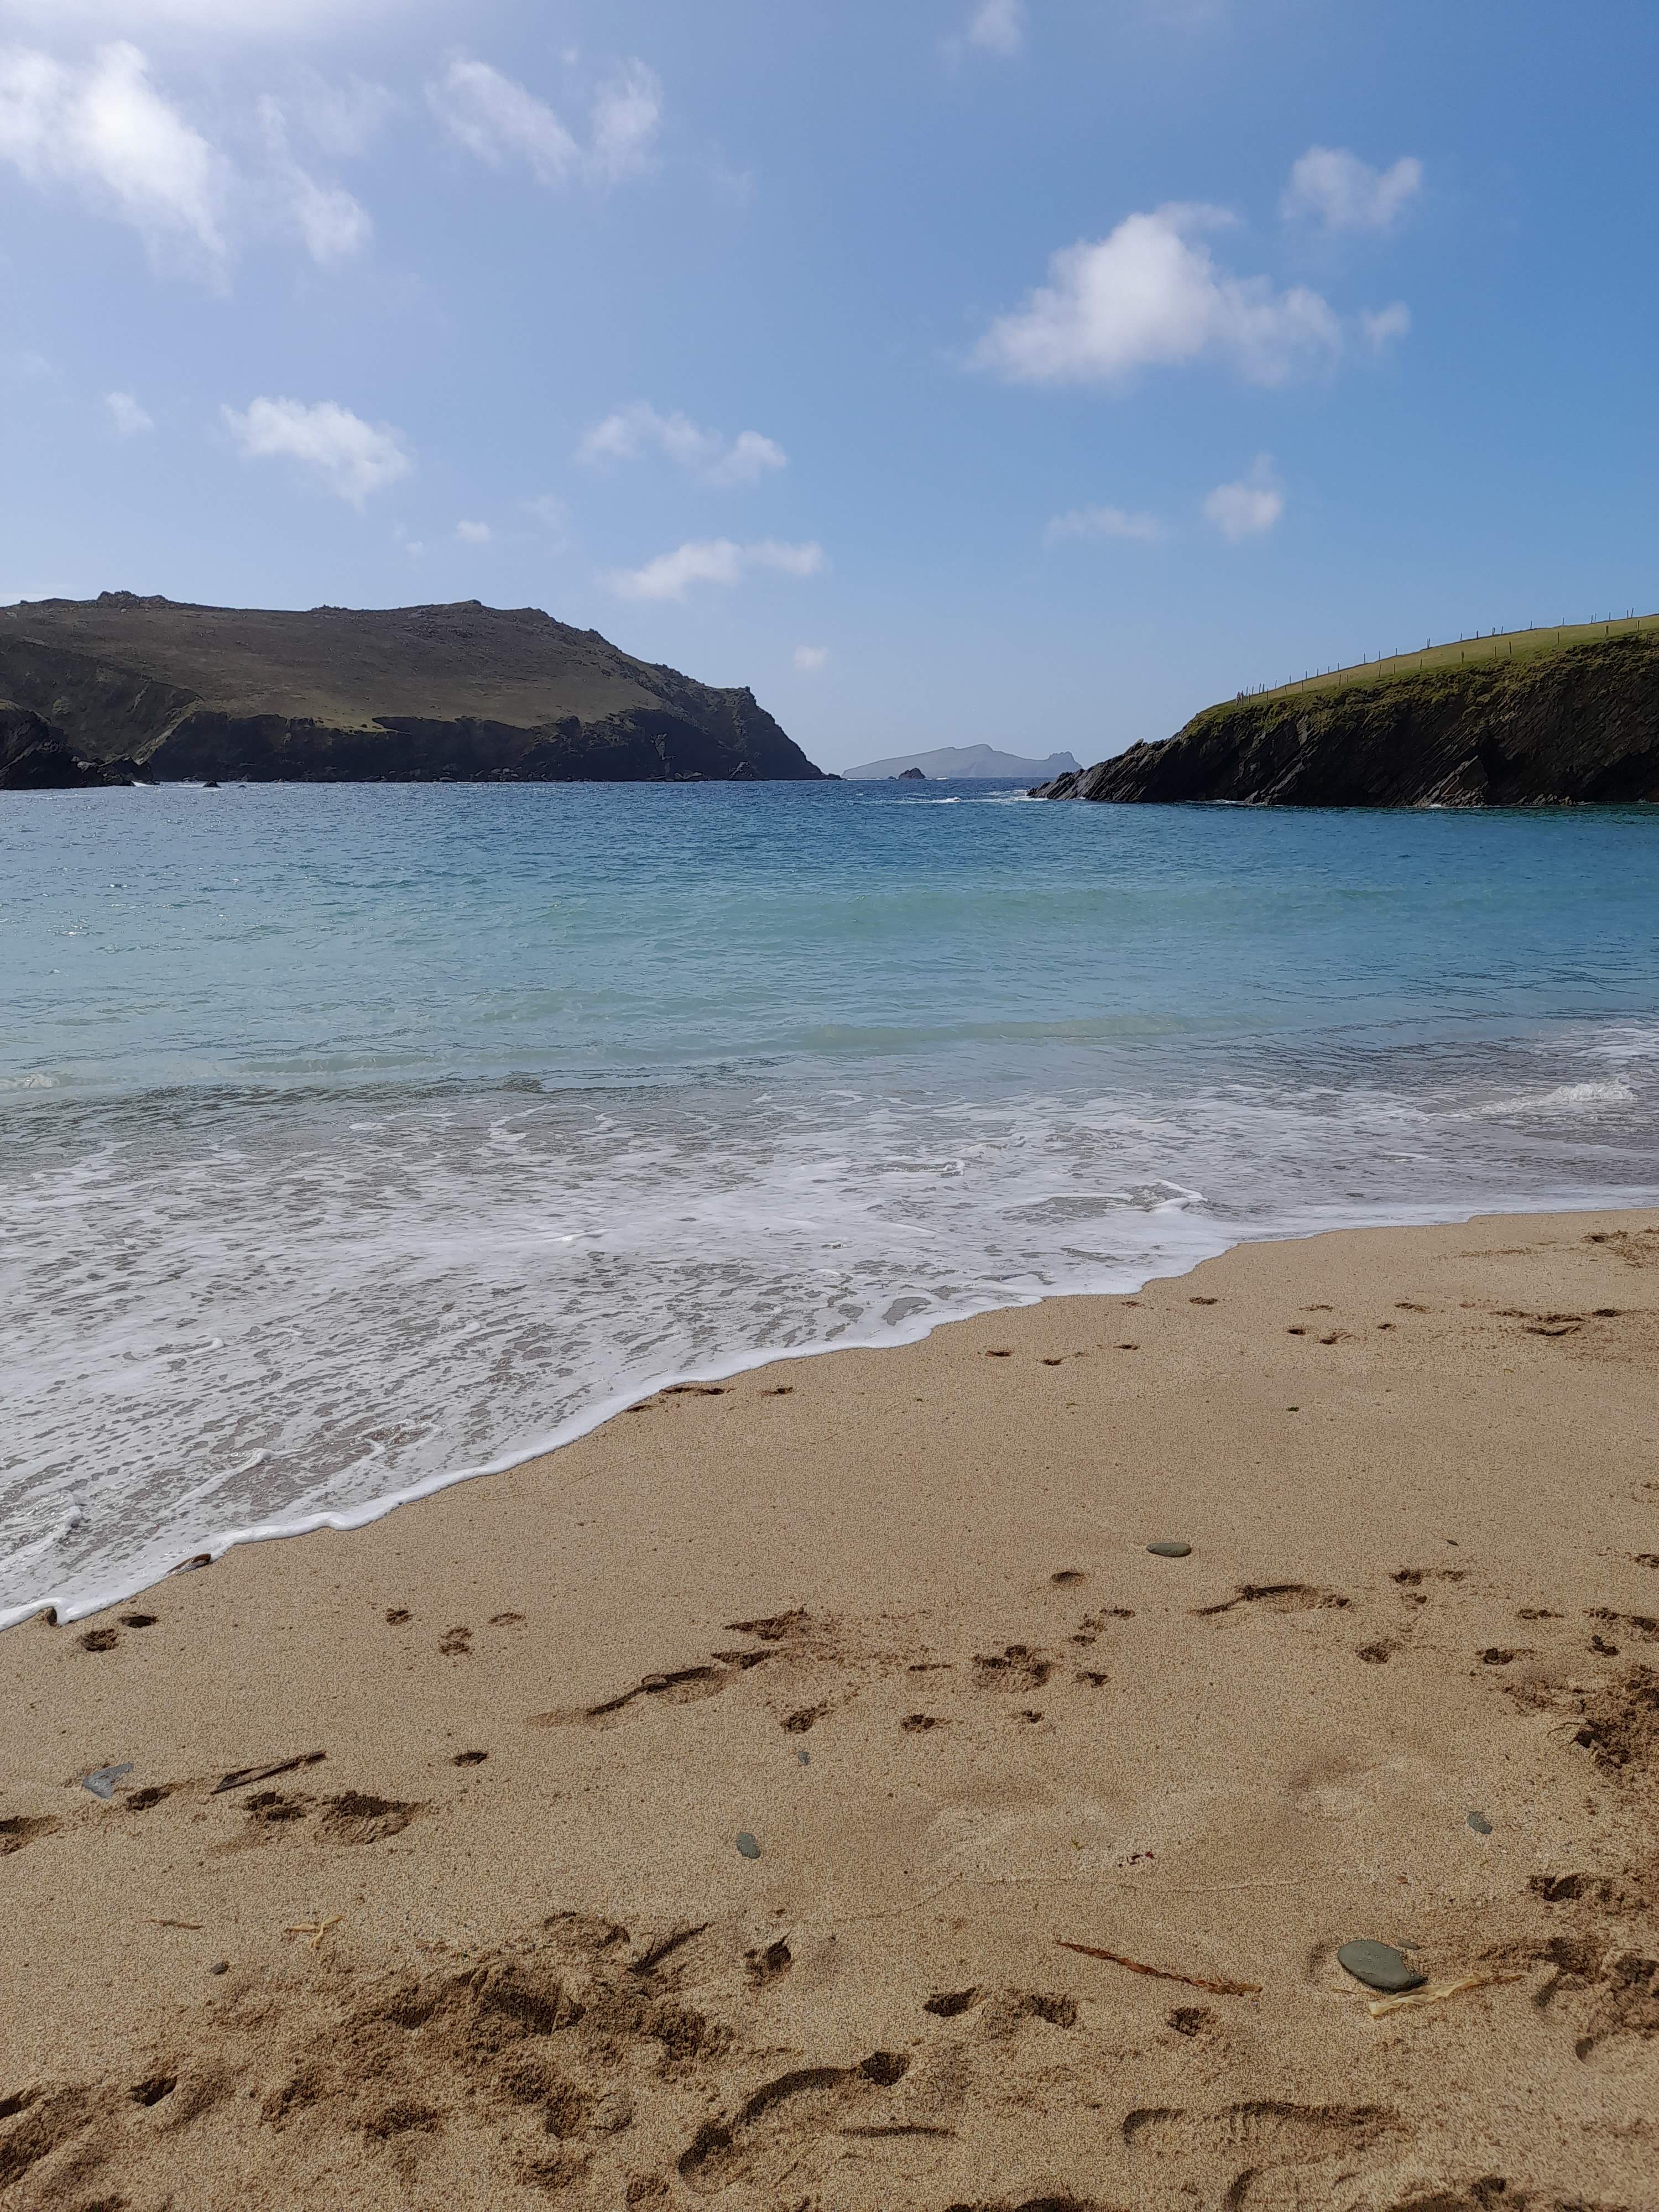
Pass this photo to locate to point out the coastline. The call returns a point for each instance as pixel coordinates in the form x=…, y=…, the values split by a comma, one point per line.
x=1172, y=1266
x=1416, y=1470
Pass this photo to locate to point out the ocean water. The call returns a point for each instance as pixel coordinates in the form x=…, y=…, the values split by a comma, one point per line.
x=353, y=1139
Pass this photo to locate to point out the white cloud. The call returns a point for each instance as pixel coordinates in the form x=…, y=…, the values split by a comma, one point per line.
x=101, y=130
x=473, y=533
x=809, y=659
x=1103, y=522
x=344, y=119
x=627, y=112
x=998, y=25
x=712, y=560
x=1150, y=294
x=220, y=19
x=497, y=119
x=1338, y=189
x=127, y=416
x=627, y=434
x=332, y=223
x=1387, y=324
x=347, y=456
x=1248, y=508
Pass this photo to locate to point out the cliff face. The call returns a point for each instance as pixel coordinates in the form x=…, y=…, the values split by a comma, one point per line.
x=1572, y=726
x=103, y=691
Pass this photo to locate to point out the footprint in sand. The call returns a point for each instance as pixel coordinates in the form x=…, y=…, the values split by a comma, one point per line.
x=22, y=1830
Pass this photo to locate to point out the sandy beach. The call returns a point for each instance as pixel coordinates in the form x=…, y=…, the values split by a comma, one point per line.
x=699, y=1816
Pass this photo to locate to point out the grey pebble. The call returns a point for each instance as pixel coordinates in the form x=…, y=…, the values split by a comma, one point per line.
x=1480, y=1823
x=1169, y=1551
x=748, y=1846
x=1379, y=1966
x=220, y=1966
x=804, y=1756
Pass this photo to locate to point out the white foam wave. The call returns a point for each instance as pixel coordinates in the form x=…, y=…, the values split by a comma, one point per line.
x=288, y=1316
x=1563, y=1100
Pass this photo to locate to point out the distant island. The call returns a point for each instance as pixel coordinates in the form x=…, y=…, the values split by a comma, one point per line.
x=964, y=762
x=1529, y=718
x=120, y=689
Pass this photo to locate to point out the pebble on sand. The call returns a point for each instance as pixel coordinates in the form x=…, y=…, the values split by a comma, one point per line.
x=748, y=1846
x=1480, y=1823
x=1169, y=1551
x=1380, y=1966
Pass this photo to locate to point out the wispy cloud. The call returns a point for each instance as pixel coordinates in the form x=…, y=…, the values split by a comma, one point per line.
x=500, y=122
x=1150, y=294
x=102, y=131
x=344, y=119
x=997, y=26
x=1103, y=522
x=627, y=116
x=709, y=455
x=712, y=560
x=130, y=419
x=337, y=449
x=1249, y=507
x=474, y=533
x=1388, y=325
x=1336, y=190
x=332, y=223
x=812, y=659
x=223, y=20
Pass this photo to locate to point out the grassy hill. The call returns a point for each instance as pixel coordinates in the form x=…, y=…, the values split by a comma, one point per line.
x=1568, y=717
x=341, y=694
x=1463, y=653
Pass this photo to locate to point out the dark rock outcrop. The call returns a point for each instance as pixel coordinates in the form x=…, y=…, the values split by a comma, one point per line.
x=120, y=689
x=1573, y=727
x=36, y=756
x=911, y=775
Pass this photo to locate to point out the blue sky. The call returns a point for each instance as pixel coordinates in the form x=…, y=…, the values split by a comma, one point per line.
x=1031, y=371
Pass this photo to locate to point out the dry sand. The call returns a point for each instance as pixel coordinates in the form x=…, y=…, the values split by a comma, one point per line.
x=1420, y=1473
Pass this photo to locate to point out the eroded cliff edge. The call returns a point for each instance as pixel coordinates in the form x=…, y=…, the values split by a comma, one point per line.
x=107, y=690
x=1575, y=726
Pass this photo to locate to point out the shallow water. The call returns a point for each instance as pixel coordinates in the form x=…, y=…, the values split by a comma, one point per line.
x=353, y=1138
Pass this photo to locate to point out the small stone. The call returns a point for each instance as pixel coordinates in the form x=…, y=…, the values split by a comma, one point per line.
x=748, y=1846
x=1480, y=1823
x=804, y=1756
x=1169, y=1551
x=1380, y=1966
x=220, y=1966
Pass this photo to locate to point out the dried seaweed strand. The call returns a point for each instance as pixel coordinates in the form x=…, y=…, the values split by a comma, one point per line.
x=1163, y=1973
x=1436, y=1991
x=316, y=1930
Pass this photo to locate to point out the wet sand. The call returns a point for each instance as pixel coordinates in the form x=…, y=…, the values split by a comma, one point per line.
x=891, y=1616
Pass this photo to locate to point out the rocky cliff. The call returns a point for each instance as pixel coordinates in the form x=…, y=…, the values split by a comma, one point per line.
x=117, y=688
x=1574, y=725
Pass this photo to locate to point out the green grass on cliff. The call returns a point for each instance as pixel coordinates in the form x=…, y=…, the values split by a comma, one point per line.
x=1470, y=652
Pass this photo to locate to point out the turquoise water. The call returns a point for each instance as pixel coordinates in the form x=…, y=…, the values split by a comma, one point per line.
x=352, y=1138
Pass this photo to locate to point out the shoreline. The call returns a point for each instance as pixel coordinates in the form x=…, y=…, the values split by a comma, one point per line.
x=345, y=1520
x=475, y=1920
